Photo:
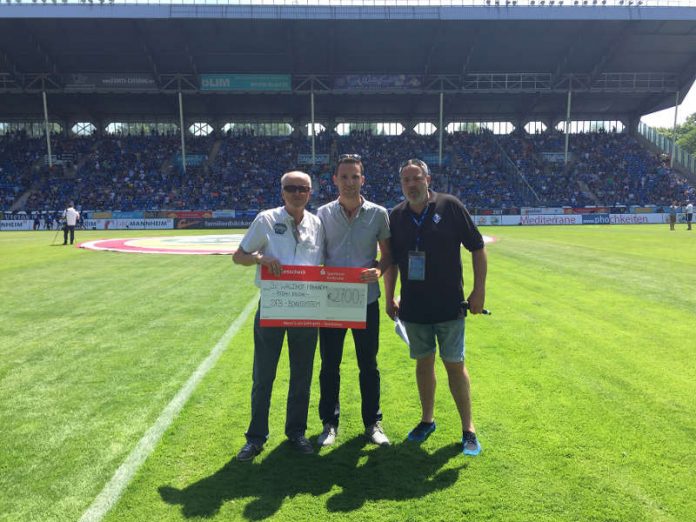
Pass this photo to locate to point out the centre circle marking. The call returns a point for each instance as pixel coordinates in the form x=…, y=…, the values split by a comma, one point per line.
x=224, y=244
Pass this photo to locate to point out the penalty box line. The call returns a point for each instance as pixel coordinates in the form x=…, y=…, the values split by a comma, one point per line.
x=126, y=471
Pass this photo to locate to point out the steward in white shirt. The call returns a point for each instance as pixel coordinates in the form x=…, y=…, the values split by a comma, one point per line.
x=71, y=216
x=287, y=235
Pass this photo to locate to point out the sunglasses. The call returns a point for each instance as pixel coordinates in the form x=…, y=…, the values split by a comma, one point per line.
x=349, y=158
x=304, y=189
x=415, y=162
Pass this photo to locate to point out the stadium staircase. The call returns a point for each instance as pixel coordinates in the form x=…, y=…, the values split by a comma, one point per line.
x=587, y=192
x=212, y=154
x=20, y=202
x=655, y=149
x=166, y=166
x=514, y=174
x=84, y=157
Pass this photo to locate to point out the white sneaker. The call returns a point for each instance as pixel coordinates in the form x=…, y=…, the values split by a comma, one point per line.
x=328, y=436
x=375, y=433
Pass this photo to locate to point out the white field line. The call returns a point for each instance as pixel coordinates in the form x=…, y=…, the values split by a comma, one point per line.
x=124, y=474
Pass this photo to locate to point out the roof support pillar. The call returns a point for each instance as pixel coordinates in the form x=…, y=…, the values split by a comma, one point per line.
x=181, y=128
x=48, y=131
x=567, y=125
x=441, y=131
x=674, y=130
x=311, y=124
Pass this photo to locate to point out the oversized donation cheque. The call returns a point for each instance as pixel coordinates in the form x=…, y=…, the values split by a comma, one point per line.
x=313, y=296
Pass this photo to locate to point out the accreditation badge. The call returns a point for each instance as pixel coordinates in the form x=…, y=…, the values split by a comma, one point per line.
x=416, y=265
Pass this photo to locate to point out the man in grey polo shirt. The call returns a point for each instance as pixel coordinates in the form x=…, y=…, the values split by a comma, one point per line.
x=353, y=227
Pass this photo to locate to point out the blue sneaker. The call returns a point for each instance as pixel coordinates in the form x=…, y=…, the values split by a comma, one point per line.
x=421, y=432
x=470, y=444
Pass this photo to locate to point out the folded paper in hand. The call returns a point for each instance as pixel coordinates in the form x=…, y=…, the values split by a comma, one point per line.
x=400, y=330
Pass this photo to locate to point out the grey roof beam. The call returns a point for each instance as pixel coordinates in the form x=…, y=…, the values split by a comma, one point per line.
x=12, y=70
x=172, y=82
x=610, y=51
x=49, y=61
x=181, y=27
x=580, y=38
x=36, y=82
x=290, y=39
x=306, y=83
x=137, y=25
x=470, y=53
x=435, y=37
x=442, y=82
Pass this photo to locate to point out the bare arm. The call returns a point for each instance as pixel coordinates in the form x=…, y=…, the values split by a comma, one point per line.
x=372, y=275
x=385, y=260
x=243, y=258
x=477, y=297
x=389, y=287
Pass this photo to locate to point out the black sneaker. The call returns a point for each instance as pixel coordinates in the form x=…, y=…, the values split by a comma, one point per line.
x=302, y=445
x=248, y=452
x=421, y=432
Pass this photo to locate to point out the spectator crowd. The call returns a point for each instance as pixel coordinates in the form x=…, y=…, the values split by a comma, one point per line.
x=241, y=171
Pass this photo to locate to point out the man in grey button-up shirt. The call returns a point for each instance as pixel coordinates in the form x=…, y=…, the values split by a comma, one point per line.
x=353, y=228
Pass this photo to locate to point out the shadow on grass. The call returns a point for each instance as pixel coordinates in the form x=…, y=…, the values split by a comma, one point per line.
x=404, y=471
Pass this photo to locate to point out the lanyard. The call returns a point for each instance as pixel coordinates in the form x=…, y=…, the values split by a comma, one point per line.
x=419, y=224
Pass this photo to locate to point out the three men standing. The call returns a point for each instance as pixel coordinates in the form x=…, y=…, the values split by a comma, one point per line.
x=421, y=240
x=427, y=231
x=287, y=235
x=354, y=227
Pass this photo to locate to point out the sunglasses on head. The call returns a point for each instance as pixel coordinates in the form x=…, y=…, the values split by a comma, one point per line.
x=349, y=158
x=296, y=188
x=415, y=162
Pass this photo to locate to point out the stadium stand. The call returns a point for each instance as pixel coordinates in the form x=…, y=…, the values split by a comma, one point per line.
x=461, y=64
x=144, y=172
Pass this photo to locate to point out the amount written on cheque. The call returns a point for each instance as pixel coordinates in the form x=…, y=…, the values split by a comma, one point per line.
x=313, y=296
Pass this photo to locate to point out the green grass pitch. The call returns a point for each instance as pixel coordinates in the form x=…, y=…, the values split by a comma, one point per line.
x=584, y=390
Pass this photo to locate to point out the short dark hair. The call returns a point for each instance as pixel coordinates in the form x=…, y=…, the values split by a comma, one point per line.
x=352, y=159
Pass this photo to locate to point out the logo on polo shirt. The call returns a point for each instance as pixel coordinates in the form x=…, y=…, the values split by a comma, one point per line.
x=437, y=218
x=280, y=228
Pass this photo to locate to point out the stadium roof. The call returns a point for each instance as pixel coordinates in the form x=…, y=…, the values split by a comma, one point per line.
x=385, y=62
